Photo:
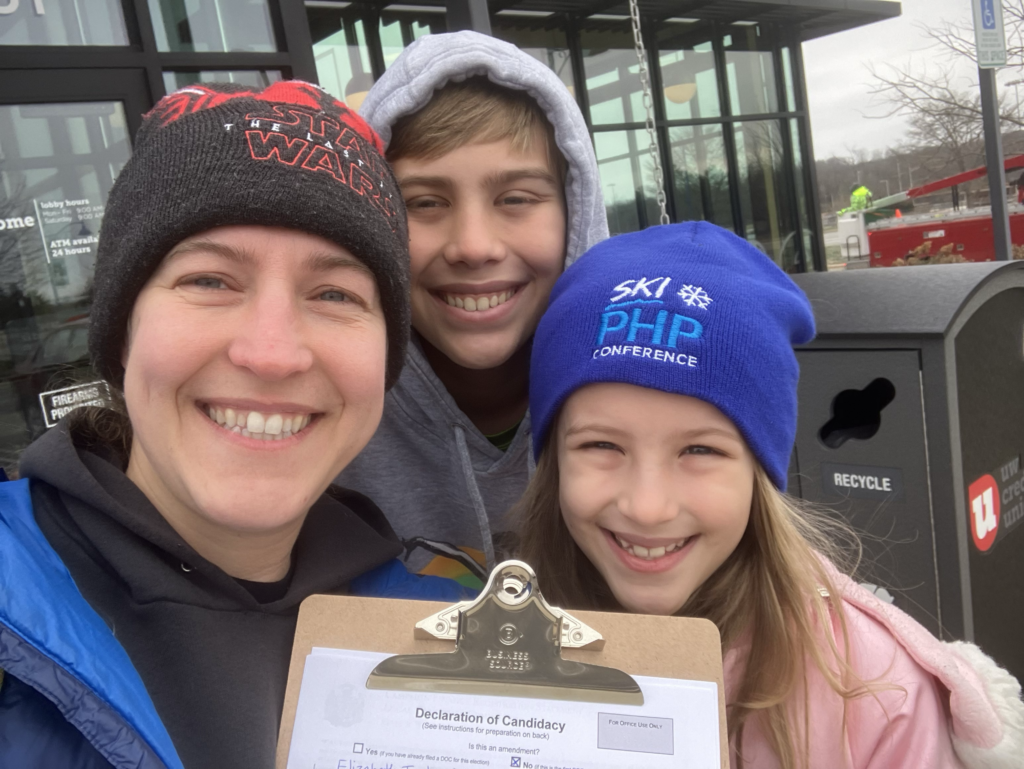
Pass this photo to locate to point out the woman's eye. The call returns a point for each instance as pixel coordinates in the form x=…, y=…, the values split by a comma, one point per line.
x=206, y=281
x=334, y=295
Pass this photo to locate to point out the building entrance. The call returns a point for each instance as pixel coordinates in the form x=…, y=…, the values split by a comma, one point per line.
x=64, y=136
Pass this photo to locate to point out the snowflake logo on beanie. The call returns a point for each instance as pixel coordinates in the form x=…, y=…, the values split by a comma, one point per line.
x=695, y=295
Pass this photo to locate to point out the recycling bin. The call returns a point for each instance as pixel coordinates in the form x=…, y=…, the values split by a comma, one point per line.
x=911, y=427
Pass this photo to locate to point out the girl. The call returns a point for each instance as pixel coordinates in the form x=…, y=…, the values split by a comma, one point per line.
x=663, y=393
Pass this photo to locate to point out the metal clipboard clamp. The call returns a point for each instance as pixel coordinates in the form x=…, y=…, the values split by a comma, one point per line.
x=508, y=643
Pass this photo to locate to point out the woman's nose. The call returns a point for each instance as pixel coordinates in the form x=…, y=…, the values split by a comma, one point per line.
x=269, y=340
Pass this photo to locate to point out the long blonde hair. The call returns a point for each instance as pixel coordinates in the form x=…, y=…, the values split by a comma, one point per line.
x=773, y=588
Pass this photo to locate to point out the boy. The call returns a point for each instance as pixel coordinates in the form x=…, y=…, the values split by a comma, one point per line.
x=502, y=190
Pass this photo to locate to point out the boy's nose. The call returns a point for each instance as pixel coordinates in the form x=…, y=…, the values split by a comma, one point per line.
x=473, y=240
x=269, y=340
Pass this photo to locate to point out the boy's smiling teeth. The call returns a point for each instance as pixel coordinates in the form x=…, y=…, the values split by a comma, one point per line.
x=478, y=302
x=649, y=554
x=255, y=424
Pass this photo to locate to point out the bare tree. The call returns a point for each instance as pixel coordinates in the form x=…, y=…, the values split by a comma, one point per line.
x=944, y=111
x=942, y=116
x=957, y=37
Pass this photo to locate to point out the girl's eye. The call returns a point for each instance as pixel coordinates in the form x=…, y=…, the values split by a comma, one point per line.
x=701, y=450
x=600, y=445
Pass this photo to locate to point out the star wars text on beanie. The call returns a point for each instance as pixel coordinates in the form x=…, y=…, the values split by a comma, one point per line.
x=686, y=308
x=220, y=154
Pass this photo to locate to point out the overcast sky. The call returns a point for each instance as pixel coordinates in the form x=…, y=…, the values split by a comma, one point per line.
x=838, y=80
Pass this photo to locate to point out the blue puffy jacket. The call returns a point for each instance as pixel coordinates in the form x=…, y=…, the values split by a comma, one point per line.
x=71, y=698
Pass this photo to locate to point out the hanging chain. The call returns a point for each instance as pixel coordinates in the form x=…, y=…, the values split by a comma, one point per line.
x=645, y=84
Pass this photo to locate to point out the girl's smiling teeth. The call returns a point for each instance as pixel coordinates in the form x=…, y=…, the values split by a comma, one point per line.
x=477, y=302
x=652, y=553
x=255, y=424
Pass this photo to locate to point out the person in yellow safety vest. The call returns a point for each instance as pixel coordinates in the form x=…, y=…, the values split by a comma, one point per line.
x=860, y=197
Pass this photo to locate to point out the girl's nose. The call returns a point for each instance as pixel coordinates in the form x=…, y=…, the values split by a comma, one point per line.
x=269, y=340
x=650, y=500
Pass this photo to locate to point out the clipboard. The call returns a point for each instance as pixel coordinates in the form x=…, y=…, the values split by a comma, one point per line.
x=621, y=644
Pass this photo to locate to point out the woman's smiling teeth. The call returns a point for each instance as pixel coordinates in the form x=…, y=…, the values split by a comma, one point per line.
x=255, y=424
x=652, y=553
x=477, y=302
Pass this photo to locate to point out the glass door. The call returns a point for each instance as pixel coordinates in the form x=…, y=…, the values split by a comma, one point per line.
x=64, y=137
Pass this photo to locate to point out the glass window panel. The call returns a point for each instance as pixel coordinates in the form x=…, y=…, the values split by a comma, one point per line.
x=62, y=22
x=212, y=25
x=750, y=72
x=611, y=71
x=419, y=30
x=700, y=173
x=543, y=38
x=687, y=73
x=341, y=53
x=392, y=43
x=627, y=179
x=787, y=70
x=400, y=25
x=802, y=200
x=255, y=78
x=765, y=202
x=51, y=205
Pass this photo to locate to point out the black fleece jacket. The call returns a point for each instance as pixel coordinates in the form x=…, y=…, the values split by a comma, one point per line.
x=215, y=661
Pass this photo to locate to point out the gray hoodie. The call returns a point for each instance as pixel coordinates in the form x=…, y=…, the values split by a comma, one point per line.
x=442, y=485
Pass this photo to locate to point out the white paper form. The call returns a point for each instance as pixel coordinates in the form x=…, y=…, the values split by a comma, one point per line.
x=340, y=724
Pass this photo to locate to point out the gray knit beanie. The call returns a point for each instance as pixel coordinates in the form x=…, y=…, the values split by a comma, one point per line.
x=220, y=154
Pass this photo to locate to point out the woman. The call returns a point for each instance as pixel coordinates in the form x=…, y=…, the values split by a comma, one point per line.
x=250, y=311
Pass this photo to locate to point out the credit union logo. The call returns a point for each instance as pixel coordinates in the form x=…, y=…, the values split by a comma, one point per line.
x=984, y=511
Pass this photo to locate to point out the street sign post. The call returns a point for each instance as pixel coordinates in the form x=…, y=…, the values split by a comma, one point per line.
x=990, y=41
x=989, y=37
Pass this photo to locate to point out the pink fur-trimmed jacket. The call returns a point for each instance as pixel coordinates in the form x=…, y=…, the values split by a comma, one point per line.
x=956, y=707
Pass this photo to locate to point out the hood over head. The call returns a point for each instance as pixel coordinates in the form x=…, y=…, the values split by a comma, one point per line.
x=435, y=60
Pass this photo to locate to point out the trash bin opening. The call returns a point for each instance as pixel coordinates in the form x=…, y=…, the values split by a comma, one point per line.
x=857, y=414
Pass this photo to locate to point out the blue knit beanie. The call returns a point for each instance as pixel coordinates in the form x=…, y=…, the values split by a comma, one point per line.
x=685, y=308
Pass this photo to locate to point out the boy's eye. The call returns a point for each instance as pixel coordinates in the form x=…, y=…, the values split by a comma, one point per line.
x=516, y=200
x=424, y=203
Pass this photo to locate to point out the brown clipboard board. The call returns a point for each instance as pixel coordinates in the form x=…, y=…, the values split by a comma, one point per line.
x=639, y=644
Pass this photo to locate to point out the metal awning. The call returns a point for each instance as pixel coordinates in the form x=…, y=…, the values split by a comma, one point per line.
x=809, y=18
